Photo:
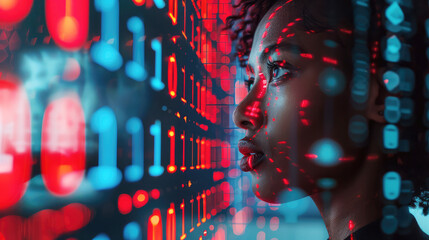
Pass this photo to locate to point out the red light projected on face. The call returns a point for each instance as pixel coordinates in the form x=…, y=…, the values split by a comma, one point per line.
x=154, y=226
x=13, y=11
x=68, y=22
x=63, y=146
x=15, y=143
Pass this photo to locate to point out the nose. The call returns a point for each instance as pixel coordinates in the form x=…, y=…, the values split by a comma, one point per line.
x=248, y=114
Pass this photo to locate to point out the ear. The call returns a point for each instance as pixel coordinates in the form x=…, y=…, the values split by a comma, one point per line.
x=375, y=105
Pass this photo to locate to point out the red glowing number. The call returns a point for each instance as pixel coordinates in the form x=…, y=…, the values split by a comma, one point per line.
x=172, y=76
x=172, y=11
x=172, y=166
x=67, y=22
x=13, y=11
x=154, y=227
x=63, y=146
x=15, y=143
x=171, y=223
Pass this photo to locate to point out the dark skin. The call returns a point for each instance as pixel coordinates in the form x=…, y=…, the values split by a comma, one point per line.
x=290, y=112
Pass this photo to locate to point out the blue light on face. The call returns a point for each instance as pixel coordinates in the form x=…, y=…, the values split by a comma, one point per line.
x=395, y=14
x=132, y=231
x=296, y=202
x=328, y=152
x=332, y=82
x=327, y=183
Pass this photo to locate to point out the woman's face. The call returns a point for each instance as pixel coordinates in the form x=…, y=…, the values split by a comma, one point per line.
x=297, y=112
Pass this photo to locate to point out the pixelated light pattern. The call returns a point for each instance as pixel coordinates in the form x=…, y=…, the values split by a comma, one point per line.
x=327, y=152
x=106, y=51
x=135, y=69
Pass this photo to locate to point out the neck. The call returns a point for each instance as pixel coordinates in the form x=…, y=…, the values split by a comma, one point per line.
x=351, y=207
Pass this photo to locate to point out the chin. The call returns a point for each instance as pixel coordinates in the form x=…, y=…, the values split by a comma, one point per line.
x=271, y=193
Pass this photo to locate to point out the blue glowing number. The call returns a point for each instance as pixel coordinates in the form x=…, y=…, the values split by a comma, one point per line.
x=156, y=82
x=106, y=52
x=156, y=169
x=392, y=111
x=395, y=14
x=390, y=136
x=135, y=172
x=391, y=185
x=106, y=175
x=135, y=69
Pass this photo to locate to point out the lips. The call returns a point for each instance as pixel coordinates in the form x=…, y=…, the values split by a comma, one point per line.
x=253, y=156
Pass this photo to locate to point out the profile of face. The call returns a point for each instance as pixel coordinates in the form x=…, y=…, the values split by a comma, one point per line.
x=298, y=108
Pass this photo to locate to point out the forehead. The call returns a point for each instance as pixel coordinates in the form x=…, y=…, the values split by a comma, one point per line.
x=274, y=25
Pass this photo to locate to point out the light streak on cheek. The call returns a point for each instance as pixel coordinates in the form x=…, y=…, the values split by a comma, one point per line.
x=304, y=105
x=262, y=89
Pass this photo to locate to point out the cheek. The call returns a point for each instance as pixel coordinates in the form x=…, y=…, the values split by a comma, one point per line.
x=299, y=115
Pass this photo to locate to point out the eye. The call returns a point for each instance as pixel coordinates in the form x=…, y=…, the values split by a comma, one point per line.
x=280, y=69
x=249, y=83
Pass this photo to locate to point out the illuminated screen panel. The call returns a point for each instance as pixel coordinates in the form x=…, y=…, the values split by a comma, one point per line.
x=117, y=120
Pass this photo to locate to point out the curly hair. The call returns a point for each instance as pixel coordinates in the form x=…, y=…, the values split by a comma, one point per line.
x=412, y=165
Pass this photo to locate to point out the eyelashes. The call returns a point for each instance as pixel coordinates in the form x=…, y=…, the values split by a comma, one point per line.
x=278, y=71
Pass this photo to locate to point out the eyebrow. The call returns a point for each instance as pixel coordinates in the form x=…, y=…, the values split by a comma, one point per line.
x=272, y=48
